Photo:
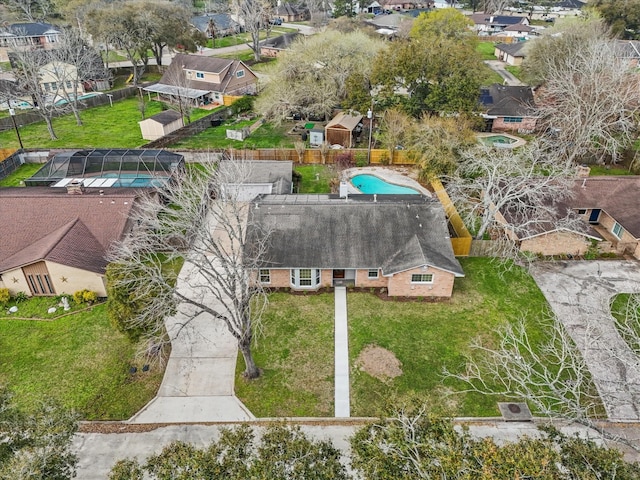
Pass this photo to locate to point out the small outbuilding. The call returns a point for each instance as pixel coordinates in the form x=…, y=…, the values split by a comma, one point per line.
x=342, y=129
x=161, y=124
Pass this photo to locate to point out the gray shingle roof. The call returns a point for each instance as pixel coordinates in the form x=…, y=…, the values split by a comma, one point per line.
x=505, y=100
x=395, y=233
x=486, y=19
x=166, y=117
x=32, y=29
x=514, y=49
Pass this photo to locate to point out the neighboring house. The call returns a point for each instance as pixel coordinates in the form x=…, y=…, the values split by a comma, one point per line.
x=609, y=207
x=218, y=24
x=508, y=108
x=264, y=177
x=398, y=5
x=26, y=35
x=518, y=31
x=205, y=80
x=289, y=12
x=511, y=53
x=272, y=47
x=55, y=243
x=161, y=124
x=342, y=129
x=395, y=242
x=490, y=24
x=60, y=80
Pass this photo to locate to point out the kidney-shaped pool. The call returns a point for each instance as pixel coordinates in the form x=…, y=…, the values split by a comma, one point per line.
x=371, y=184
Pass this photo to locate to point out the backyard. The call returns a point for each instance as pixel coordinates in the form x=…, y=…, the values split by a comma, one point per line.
x=104, y=127
x=78, y=359
x=296, y=350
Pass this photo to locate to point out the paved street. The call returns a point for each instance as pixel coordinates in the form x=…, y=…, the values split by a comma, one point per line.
x=579, y=293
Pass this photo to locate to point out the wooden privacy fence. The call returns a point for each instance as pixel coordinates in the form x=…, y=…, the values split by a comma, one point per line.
x=462, y=242
x=314, y=156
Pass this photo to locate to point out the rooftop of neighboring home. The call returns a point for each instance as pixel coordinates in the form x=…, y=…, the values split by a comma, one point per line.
x=517, y=49
x=221, y=21
x=281, y=41
x=165, y=117
x=616, y=195
x=33, y=29
x=41, y=223
x=392, y=232
x=505, y=100
x=498, y=20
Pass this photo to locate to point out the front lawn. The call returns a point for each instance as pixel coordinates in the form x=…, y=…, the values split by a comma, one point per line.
x=266, y=136
x=104, y=127
x=296, y=351
x=80, y=360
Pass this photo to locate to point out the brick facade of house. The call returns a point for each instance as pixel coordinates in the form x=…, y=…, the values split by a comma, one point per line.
x=528, y=124
x=556, y=243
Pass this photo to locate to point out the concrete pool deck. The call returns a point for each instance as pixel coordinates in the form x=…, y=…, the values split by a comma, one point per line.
x=388, y=175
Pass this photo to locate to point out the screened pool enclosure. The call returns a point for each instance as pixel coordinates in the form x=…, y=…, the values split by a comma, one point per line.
x=103, y=168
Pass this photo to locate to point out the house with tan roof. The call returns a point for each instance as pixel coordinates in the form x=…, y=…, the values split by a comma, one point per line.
x=55, y=241
x=205, y=80
x=608, y=207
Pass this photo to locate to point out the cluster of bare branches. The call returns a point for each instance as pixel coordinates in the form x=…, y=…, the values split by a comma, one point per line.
x=529, y=182
x=201, y=218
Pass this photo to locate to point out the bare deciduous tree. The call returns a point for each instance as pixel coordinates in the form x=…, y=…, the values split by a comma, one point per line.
x=30, y=10
x=529, y=181
x=253, y=14
x=202, y=219
x=589, y=95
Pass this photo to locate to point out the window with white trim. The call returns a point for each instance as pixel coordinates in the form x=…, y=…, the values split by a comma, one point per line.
x=265, y=275
x=617, y=230
x=422, y=278
x=373, y=273
x=199, y=75
x=240, y=74
x=305, y=277
x=512, y=119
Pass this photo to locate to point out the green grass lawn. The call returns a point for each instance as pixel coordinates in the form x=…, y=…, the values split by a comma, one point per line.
x=79, y=360
x=266, y=136
x=315, y=178
x=599, y=170
x=105, y=126
x=24, y=171
x=423, y=336
x=514, y=70
x=490, y=76
x=486, y=49
x=621, y=306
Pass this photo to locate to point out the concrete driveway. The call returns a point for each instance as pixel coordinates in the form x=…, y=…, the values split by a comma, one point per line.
x=198, y=384
x=499, y=67
x=579, y=293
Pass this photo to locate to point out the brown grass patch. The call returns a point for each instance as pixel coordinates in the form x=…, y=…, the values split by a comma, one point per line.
x=379, y=362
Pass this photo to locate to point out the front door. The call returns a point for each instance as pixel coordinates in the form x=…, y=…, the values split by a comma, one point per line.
x=38, y=279
x=594, y=216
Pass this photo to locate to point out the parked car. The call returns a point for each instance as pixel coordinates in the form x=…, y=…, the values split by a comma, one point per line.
x=276, y=21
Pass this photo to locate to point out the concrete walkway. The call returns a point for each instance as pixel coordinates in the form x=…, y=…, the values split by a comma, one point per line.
x=579, y=294
x=499, y=67
x=341, y=362
x=199, y=379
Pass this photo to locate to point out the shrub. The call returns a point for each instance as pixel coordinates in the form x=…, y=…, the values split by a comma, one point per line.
x=244, y=104
x=361, y=159
x=5, y=296
x=20, y=297
x=89, y=296
x=345, y=160
x=85, y=296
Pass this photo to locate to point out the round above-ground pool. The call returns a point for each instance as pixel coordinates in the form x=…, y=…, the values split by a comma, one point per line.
x=371, y=184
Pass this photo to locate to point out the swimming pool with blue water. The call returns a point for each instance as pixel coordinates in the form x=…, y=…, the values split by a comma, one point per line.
x=371, y=184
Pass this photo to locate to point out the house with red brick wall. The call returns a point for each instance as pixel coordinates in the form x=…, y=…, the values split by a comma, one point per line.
x=608, y=207
x=508, y=108
x=395, y=242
